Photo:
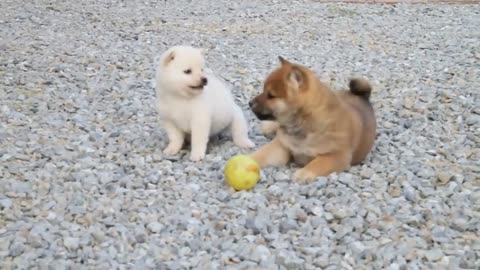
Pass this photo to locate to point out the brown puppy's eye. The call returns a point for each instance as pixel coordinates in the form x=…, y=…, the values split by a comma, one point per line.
x=270, y=96
x=188, y=71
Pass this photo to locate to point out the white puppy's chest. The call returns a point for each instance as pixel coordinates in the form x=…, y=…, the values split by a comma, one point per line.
x=178, y=113
x=182, y=113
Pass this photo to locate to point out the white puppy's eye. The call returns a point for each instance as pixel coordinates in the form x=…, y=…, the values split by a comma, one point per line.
x=187, y=71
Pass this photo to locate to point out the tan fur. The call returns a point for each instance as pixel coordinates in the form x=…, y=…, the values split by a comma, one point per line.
x=269, y=127
x=323, y=130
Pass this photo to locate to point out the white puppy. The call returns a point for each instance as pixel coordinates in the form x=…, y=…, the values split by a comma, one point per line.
x=190, y=101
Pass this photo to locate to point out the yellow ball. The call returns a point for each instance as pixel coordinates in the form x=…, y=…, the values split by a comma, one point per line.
x=242, y=172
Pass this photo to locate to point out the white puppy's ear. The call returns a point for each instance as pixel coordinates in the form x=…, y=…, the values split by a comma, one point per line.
x=169, y=56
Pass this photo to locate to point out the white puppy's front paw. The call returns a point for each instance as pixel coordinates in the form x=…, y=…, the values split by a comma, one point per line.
x=171, y=150
x=197, y=155
x=244, y=143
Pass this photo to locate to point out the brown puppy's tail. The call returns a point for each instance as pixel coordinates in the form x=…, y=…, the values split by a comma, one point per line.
x=361, y=88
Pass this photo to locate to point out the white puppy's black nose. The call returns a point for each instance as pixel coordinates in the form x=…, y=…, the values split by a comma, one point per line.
x=204, y=81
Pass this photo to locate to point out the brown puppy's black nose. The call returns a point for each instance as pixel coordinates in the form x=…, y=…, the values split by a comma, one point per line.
x=250, y=103
x=204, y=81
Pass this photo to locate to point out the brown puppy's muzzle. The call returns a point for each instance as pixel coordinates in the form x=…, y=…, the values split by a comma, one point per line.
x=260, y=110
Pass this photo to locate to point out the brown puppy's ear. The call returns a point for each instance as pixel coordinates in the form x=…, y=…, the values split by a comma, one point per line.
x=296, y=78
x=168, y=58
x=283, y=61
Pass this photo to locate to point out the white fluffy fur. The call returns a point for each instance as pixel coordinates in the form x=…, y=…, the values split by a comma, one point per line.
x=200, y=112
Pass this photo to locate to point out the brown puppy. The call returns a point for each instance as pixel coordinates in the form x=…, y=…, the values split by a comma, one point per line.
x=323, y=130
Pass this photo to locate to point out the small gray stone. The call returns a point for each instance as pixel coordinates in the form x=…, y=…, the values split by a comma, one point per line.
x=452, y=187
x=434, y=254
x=281, y=176
x=374, y=232
x=316, y=221
x=288, y=225
x=317, y=211
x=443, y=178
x=222, y=196
x=342, y=231
x=425, y=173
x=358, y=248
x=261, y=253
x=275, y=190
x=260, y=223
x=366, y=172
x=346, y=178
x=301, y=215
x=294, y=263
x=394, y=266
x=16, y=249
x=476, y=245
x=157, y=157
x=140, y=238
x=328, y=216
x=321, y=182
x=340, y=213
x=460, y=223
x=6, y=203
x=154, y=178
x=322, y=261
x=407, y=103
x=155, y=227
x=71, y=243
x=475, y=197
x=394, y=190
x=289, y=260
x=409, y=193
x=241, y=265
x=472, y=120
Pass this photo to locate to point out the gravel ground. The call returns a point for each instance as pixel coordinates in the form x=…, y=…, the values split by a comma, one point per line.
x=84, y=184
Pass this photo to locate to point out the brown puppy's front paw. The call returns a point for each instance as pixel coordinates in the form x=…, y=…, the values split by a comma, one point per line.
x=303, y=176
x=268, y=128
